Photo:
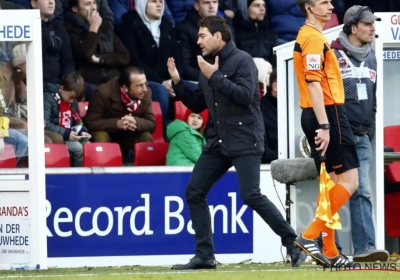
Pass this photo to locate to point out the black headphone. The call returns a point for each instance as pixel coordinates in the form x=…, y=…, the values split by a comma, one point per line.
x=348, y=26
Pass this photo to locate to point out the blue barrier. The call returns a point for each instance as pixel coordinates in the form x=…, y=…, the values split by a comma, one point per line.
x=138, y=214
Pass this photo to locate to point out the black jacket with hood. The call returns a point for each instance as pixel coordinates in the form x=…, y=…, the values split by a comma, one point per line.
x=144, y=51
x=56, y=51
x=235, y=124
x=255, y=38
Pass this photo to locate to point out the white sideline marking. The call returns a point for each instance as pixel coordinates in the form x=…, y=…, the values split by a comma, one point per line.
x=155, y=273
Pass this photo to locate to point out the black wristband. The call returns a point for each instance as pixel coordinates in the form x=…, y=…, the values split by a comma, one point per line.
x=325, y=126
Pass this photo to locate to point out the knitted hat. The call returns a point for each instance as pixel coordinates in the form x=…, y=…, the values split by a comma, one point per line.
x=19, y=55
x=203, y=114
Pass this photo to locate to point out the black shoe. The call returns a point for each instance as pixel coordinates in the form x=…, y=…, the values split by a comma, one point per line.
x=196, y=263
x=311, y=248
x=297, y=256
x=341, y=261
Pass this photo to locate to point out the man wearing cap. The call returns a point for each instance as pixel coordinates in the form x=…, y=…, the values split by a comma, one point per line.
x=358, y=66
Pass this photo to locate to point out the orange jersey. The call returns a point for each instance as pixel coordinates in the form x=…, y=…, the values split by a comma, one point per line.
x=315, y=61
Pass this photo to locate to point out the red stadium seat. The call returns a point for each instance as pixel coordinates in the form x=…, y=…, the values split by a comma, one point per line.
x=391, y=138
x=102, y=154
x=392, y=214
x=150, y=153
x=180, y=111
x=56, y=155
x=158, y=134
x=83, y=106
x=334, y=21
x=7, y=158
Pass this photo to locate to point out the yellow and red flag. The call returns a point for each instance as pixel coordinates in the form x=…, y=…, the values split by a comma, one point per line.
x=324, y=206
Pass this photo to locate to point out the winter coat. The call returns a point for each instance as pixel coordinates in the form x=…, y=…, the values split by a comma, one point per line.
x=185, y=144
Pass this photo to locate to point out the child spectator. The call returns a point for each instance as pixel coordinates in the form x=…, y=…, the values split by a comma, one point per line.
x=61, y=114
x=186, y=139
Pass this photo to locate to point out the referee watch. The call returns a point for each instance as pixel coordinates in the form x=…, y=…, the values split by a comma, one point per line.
x=325, y=126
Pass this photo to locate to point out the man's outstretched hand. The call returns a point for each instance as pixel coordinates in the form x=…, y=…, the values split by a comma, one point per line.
x=173, y=72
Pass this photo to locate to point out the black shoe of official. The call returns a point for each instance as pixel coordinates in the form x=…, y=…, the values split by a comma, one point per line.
x=311, y=248
x=341, y=261
x=297, y=256
x=196, y=263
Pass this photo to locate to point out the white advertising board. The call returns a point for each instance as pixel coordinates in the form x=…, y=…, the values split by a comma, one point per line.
x=14, y=227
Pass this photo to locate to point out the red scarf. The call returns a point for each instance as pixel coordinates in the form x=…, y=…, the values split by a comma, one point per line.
x=131, y=105
x=66, y=112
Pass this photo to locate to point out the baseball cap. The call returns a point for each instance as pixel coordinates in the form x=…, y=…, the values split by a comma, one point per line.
x=366, y=16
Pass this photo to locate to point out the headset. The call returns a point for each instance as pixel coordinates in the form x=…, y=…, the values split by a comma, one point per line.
x=326, y=15
x=347, y=28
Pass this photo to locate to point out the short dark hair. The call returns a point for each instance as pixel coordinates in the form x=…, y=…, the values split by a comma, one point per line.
x=216, y=24
x=74, y=82
x=125, y=76
x=302, y=4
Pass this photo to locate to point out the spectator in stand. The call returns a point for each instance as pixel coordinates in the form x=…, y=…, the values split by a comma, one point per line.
x=121, y=7
x=179, y=9
x=285, y=18
x=229, y=8
x=5, y=54
x=61, y=114
x=339, y=9
x=14, y=90
x=10, y=136
x=97, y=51
x=151, y=40
x=56, y=49
x=186, y=139
x=120, y=111
x=269, y=110
x=187, y=32
x=252, y=32
x=7, y=47
x=62, y=6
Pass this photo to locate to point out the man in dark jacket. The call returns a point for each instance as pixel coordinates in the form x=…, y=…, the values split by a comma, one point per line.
x=228, y=87
x=187, y=35
x=97, y=51
x=56, y=49
x=253, y=34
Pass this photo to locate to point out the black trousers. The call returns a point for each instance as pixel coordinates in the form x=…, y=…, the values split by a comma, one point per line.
x=207, y=171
